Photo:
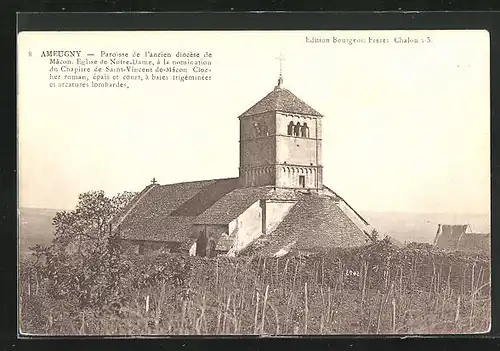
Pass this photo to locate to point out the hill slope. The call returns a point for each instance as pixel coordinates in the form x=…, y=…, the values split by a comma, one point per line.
x=422, y=227
x=35, y=227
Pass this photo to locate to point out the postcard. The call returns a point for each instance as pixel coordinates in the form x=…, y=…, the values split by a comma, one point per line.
x=254, y=182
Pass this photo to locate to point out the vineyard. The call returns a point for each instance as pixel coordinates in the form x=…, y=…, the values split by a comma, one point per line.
x=378, y=289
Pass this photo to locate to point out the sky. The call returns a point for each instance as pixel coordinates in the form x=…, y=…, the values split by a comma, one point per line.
x=405, y=127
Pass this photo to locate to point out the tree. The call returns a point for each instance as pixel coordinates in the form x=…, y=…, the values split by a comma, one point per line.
x=88, y=226
x=84, y=260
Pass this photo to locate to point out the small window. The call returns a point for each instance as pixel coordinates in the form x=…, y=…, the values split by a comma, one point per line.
x=290, y=128
x=302, y=181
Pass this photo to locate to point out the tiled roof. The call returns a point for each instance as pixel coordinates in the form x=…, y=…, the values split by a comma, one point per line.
x=448, y=236
x=314, y=222
x=281, y=99
x=457, y=237
x=206, y=197
x=166, y=212
x=475, y=243
x=118, y=218
x=232, y=205
x=281, y=194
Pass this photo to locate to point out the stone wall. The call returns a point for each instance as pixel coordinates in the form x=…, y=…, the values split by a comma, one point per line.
x=266, y=122
x=296, y=151
x=246, y=227
x=258, y=176
x=288, y=176
x=257, y=152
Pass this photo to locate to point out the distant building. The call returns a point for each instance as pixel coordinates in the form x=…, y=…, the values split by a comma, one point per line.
x=461, y=238
x=277, y=204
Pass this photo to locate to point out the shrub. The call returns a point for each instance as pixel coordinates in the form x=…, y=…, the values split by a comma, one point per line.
x=374, y=289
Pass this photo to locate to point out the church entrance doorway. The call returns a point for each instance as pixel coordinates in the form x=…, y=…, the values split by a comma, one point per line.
x=201, y=245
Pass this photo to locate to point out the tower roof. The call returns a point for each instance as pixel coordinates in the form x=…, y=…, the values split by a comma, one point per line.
x=281, y=99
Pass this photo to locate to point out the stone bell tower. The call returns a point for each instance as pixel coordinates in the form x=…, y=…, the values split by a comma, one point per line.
x=280, y=142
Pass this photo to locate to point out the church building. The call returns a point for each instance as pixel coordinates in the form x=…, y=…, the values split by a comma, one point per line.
x=277, y=205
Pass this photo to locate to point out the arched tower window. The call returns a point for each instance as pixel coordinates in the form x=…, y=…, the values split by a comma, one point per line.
x=290, y=128
x=296, y=130
x=305, y=131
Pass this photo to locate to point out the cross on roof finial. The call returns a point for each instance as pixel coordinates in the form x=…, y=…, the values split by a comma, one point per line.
x=153, y=181
x=281, y=58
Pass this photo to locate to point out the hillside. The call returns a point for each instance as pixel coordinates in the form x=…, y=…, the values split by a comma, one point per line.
x=422, y=227
x=35, y=227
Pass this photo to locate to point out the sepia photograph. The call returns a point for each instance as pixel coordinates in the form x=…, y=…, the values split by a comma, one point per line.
x=254, y=183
